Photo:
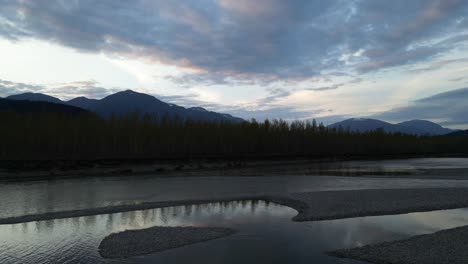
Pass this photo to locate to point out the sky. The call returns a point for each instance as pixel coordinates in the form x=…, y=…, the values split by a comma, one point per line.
x=297, y=59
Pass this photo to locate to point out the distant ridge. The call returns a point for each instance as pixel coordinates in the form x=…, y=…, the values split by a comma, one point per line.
x=413, y=127
x=130, y=101
x=82, y=102
x=28, y=106
x=35, y=97
x=458, y=133
x=426, y=127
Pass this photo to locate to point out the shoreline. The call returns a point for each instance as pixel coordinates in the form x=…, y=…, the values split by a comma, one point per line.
x=66, y=169
x=311, y=206
x=24, y=171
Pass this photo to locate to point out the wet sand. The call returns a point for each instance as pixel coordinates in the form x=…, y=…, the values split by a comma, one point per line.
x=443, y=247
x=150, y=240
x=311, y=206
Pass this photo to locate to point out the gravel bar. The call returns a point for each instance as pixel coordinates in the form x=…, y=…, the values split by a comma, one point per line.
x=444, y=247
x=328, y=205
x=312, y=206
x=150, y=240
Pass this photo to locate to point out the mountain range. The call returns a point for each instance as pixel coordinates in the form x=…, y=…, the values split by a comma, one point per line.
x=131, y=101
x=414, y=127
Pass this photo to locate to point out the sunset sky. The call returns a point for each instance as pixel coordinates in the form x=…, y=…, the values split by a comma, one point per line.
x=330, y=60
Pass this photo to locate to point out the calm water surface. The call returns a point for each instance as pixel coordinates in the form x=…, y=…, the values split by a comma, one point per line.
x=22, y=198
x=266, y=234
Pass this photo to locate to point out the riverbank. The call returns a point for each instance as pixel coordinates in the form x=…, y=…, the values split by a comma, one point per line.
x=311, y=206
x=341, y=166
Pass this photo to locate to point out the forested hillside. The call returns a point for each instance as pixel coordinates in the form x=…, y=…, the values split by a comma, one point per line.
x=52, y=135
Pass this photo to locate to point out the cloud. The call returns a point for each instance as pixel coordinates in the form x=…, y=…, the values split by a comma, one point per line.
x=457, y=79
x=274, y=95
x=287, y=113
x=64, y=91
x=8, y=88
x=331, y=87
x=72, y=90
x=438, y=65
x=187, y=100
x=261, y=109
x=448, y=108
x=240, y=39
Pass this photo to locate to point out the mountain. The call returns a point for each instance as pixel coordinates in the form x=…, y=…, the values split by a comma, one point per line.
x=129, y=101
x=35, y=97
x=360, y=124
x=82, y=102
x=367, y=124
x=29, y=106
x=126, y=102
x=458, y=133
x=428, y=127
x=414, y=127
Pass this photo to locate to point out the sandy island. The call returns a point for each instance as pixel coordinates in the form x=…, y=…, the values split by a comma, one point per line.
x=329, y=205
x=444, y=247
x=150, y=240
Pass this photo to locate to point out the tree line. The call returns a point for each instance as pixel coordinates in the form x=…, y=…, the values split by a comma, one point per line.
x=50, y=136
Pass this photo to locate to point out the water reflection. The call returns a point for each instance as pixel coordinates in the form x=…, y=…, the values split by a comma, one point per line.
x=266, y=234
x=23, y=198
x=71, y=194
x=76, y=239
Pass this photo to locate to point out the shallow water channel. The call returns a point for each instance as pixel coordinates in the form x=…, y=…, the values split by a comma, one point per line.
x=265, y=234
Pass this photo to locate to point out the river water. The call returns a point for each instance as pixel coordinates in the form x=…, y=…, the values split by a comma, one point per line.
x=265, y=234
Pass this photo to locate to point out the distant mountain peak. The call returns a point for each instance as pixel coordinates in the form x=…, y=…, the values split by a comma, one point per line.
x=82, y=102
x=459, y=133
x=429, y=127
x=197, y=108
x=128, y=91
x=132, y=95
x=415, y=127
x=420, y=121
x=81, y=99
x=131, y=92
x=38, y=97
